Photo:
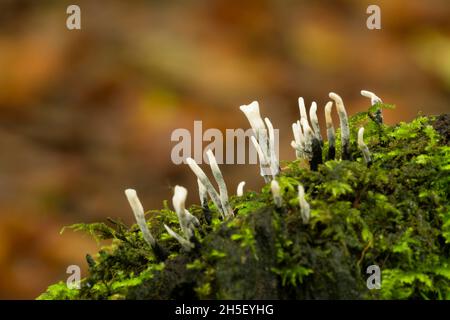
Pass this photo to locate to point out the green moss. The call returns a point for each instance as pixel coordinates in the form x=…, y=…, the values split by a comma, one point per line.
x=59, y=291
x=395, y=214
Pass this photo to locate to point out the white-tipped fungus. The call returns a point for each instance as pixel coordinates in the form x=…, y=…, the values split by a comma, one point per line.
x=240, y=189
x=298, y=149
x=253, y=115
x=302, y=108
x=223, y=192
x=298, y=133
x=363, y=147
x=315, y=121
x=206, y=183
x=305, y=209
x=251, y=111
x=299, y=143
x=345, y=129
x=374, y=99
x=265, y=138
x=266, y=170
x=274, y=163
x=184, y=217
x=275, y=188
x=185, y=244
x=308, y=136
x=203, y=194
x=330, y=131
x=138, y=211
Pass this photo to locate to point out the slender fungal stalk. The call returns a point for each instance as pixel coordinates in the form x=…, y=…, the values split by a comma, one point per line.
x=240, y=189
x=374, y=99
x=274, y=163
x=299, y=143
x=178, y=202
x=185, y=244
x=308, y=135
x=316, y=154
x=330, y=132
x=208, y=185
x=363, y=147
x=252, y=113
x=228, y=212
x=138, y=211
x=302, y=108
x=186, y=220
x=315, y=122
x=266, y=171
x=345, y=129
x=305, y=209
x=275, y=188
x=298, y=149
x=203, y=194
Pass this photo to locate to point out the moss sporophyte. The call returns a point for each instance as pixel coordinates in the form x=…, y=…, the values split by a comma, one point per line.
x=371, y=194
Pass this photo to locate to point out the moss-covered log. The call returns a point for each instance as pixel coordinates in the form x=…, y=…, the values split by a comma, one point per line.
x=394, y=214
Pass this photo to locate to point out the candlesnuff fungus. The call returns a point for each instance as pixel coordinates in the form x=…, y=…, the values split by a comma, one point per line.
x=330, y=132
x=188, y=222
x=304, y=205
x=240, y=189
x=264, y=230
x=308, y=142
x=304, y=131
x=203, y=194
x=308, y=136
x=252, y=113
x=363, y=147
x=264, y=144
x=266, y=170
x=223, y=192
x=275, y=188
x=298, y=149
x=185, y=244
x=274, y=163
x=299, y=141
x=138, y=211
x=317, y=154
x=317, y=141
x=220, y=201
x=345, y=129
x=374, y=99
x=206, y=183
x=302, y=108
x=315, y=122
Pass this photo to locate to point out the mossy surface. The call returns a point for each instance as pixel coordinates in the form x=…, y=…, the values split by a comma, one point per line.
x=394, y=214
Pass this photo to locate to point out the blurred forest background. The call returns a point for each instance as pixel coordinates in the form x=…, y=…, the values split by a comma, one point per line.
x=85, y=114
